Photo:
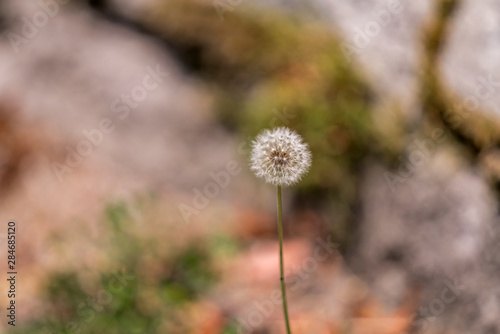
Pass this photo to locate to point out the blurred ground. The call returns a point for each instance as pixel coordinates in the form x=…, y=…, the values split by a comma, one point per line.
x=168, y=92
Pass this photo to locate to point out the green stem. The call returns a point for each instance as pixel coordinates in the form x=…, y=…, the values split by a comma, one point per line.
x=282, y=267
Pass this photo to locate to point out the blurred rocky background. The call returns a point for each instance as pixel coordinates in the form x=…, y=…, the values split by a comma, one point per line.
x=125, y=128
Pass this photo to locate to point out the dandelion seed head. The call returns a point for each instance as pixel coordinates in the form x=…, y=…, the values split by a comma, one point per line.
x=280, y=157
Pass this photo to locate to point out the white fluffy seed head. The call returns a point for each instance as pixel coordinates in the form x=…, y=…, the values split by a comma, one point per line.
x=280, y=157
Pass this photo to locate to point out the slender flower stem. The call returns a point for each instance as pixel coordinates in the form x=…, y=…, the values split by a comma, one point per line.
x=282, y=270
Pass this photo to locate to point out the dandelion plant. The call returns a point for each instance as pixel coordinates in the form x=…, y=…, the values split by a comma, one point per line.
x=280, y=157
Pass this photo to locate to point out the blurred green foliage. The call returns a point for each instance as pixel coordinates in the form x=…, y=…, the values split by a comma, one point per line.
x=145, y=291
